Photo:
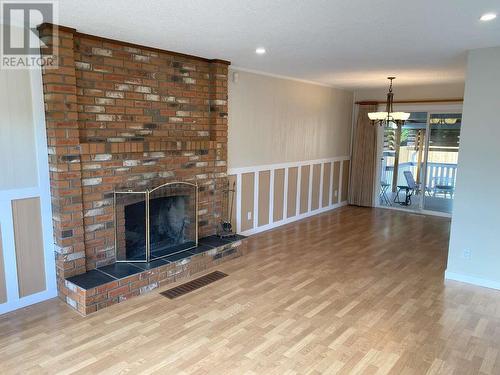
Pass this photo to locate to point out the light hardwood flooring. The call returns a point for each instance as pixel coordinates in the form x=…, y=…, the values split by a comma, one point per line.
x=352, y=291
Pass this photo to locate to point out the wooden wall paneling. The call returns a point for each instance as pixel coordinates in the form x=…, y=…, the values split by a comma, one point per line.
x=264, y=197
x=26, y=216
x=247, y=200
x=279, y=194
x=327, y=171
x=291, y=208
x=316, y=186
x=345, y=180
x=304, y=188
x=336, y=183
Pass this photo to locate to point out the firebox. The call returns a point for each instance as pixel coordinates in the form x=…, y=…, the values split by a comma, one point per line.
x=155, y=223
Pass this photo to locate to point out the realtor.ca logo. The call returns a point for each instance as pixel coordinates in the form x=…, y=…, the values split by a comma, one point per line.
x=21, y=47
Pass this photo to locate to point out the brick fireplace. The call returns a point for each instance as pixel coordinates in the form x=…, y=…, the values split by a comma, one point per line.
x=122, y=116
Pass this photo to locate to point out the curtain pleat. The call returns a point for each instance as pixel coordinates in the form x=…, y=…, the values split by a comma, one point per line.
x=364, y=155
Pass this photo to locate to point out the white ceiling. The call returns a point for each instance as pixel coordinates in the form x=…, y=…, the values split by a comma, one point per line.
x=345, y=43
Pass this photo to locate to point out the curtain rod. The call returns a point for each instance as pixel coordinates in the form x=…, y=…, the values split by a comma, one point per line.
x=411, y=101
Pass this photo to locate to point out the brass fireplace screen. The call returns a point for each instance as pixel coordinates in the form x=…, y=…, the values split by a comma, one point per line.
x=155, y=223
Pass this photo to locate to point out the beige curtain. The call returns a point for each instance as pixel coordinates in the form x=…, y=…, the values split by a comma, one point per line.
x=364, y=155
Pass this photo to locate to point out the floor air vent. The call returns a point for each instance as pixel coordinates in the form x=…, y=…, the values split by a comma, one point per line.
x=193, y=285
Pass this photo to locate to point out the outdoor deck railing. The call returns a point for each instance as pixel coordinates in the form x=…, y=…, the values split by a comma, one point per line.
x=435, y=171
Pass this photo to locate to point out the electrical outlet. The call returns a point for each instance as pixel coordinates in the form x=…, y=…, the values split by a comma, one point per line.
x=467, y=254
x=336, y=193
x=249, y=215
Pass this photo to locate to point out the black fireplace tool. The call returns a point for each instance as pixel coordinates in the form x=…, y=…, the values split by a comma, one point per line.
x=225, y=228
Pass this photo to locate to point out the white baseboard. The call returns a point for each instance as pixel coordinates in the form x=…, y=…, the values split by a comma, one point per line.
x=292, y=219
x=26, y=301
x=471, y=280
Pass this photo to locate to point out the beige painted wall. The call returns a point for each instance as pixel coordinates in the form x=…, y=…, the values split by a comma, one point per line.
x=274, y=120
x=476, y=217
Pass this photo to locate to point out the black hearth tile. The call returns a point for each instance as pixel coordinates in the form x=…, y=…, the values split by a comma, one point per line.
x=201, y=249
x=150, y=265
x=179, y=256
x=139, y=257
x=214, y=241
x=90, y=279
x=120, y=270
x=155, y=254
x=160, y=254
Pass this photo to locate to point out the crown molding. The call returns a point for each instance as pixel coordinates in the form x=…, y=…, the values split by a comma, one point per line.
x=289, y=78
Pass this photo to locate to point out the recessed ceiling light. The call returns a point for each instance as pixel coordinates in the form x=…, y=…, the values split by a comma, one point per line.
x=488, y=17
x=260, y=51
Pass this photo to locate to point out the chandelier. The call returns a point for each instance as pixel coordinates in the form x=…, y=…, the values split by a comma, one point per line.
x=443, y=121
x=389, y=117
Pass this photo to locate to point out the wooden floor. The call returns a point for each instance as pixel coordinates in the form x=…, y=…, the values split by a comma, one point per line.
x=352, y=291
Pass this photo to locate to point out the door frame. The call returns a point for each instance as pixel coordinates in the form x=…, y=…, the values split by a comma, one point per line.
x=416, y=107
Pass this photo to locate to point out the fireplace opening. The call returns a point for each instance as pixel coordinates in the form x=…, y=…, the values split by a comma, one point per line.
x=135, y=231
x=155, y=223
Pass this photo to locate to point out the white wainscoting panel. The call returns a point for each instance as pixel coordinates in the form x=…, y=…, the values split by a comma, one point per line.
x=24, y=283
x=318, y=190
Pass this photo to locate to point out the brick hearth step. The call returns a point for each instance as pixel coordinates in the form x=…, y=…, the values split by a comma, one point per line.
x=114, y=283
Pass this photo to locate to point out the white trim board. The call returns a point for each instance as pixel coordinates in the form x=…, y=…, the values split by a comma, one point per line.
x=12, y=305
x=266, y=167
x=471, y=280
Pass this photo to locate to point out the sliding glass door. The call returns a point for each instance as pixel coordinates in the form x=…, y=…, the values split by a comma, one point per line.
x=418, y=162
x=442, y=161
x=402, y=162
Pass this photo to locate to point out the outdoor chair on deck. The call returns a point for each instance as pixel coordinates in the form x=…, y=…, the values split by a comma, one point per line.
x=443, y=185
x=410, y=189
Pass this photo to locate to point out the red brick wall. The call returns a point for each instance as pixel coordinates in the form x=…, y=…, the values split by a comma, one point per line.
x=120, y=115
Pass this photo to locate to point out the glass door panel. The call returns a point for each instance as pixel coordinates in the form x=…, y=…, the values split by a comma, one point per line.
x=387, y=166
x=402, y=163
x=442, y=161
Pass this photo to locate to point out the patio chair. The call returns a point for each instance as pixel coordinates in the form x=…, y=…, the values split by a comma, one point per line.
x=410, y=189
x=384, y=199
x=443, y=185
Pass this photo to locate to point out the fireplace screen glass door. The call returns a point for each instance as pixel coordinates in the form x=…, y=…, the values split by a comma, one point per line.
x=155, y=223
